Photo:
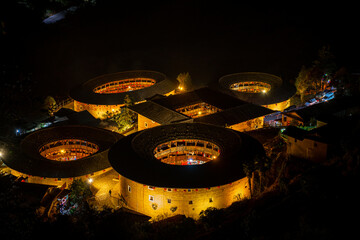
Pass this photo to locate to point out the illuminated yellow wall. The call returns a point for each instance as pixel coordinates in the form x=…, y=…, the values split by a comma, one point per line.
x=278, y=106
x=170, y=93
x=154, y=201
x=249, y=125
x=97, y=111
x=144, y=123
x=58, y=182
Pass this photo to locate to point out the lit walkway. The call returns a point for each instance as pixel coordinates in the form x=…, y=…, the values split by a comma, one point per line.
x=101, y=186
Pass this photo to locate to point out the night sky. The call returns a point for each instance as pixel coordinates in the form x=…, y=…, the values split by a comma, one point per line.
x=208, y=40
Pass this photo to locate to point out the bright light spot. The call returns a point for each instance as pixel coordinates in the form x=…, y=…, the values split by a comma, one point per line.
x=17, y=130
x=90, y=180
x=199, y=112
x=113, y=110
x=180, y=88
x=214, y=157
x=264, y=91
x=1, y=154
x=62, y=151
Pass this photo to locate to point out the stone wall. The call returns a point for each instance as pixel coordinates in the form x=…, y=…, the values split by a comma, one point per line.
x=154, y=201
x=144, y=123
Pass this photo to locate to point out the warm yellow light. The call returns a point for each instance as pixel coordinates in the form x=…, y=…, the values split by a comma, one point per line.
x=214, y=157
x=113, y=110
x=180, y=88
x=62, y=151
x=90, y=180
x=264, y=91
x=199, y=112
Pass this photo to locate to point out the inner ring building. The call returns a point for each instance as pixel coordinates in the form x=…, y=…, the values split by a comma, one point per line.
x=57, y=155
x=263, y=89
x=183, y=168
x=106, y=93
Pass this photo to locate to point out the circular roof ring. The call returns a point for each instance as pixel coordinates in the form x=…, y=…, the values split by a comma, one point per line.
x=93, y=92
x=274, y=89
x=133, y=156
x=30, y=158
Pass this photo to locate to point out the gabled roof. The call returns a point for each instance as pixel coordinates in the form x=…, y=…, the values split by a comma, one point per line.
x=233, y=110
x=235, y=115
x=329, y=133
x=158, y=113
x=207, y=95
x=324, y=110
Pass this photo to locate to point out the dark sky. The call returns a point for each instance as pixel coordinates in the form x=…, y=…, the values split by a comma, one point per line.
x=208, y=40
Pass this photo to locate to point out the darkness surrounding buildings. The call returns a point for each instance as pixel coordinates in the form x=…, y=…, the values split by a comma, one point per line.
x=207, y=39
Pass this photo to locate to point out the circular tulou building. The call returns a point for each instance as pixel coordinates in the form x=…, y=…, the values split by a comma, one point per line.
x=183, y=168
x=259, y=88
x=57, y=155
x=107, y=92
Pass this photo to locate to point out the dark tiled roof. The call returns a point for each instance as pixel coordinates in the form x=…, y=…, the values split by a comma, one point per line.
x=326, y=110
x=85, y=94
x=280, y=91
x=207, y=95
x=158, y=113
x=235, y=115
x=133, y=157
x=295, y=132
x=28, y=160
x=325, y=134
x=162, y=110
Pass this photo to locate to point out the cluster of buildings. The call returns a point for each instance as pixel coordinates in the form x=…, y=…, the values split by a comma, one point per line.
x=188, y=151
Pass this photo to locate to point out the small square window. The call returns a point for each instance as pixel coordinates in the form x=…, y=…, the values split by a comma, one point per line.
x=151, y=187
x=169, y=189
x=151, y=198
x=146, y=124
x=129, y=188
x=190, y=202
x=169, y=200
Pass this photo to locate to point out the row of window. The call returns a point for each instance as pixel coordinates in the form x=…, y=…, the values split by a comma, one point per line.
x=125, y=83
x=151, y=199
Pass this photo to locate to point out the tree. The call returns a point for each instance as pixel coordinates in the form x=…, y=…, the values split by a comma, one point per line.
x=79, y=194
x=305, y=81
x=211, y=217
x=248, y=168
x=50, y=105
x=79, y=191
x=126, y=117
x=260, y=163
x=326, y=61
x=317, y=76
x=185, y=82
x=325, y=66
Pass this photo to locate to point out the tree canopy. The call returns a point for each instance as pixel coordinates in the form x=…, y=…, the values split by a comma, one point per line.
x=185, y=82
